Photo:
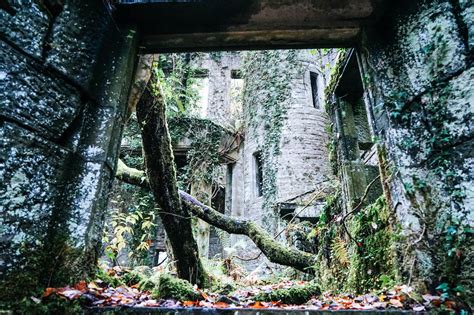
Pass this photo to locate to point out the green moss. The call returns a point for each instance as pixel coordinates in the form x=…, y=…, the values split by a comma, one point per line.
x=149, y=283
x=336, y=73
x=133, y=277
x=110, y=280
x=372, y=258
x=296, y=295
x=223, y=288
x=174, y=288
x=366, y=264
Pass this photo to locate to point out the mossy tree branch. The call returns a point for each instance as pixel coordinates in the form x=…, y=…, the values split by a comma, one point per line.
x=161, y=174
x=273, y=250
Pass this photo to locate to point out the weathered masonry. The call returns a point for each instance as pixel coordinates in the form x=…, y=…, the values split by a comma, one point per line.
x=65, y=73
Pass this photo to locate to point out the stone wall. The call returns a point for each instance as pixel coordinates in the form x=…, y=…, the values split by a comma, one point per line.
x=65, y=73
x=219, y=67
x=417, y=77
x=289, y=133
x=422, y=104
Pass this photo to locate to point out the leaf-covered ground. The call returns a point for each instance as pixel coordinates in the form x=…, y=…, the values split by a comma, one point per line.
x=98, y=293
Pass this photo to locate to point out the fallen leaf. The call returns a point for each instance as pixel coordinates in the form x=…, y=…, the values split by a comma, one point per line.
x=189, y=303
x=221, y=305
x=48, y=292
x=419, y=308
x=396, y=303
x=205, y=304
x=450, y=304
x=257, y=304
x=71, y=294
x=93, y=286
x=81, y=286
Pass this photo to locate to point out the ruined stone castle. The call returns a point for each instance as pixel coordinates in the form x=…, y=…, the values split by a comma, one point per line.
x=389, y=121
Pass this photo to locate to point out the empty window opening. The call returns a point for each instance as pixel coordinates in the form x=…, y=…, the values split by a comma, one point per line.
x=200, y=87
x=236, y=93
x=314, y=88
x=236, y=74
x=353, y=115
x=258, y=173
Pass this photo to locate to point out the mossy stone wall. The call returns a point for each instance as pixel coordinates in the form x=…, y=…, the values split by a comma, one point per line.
x=65, y=73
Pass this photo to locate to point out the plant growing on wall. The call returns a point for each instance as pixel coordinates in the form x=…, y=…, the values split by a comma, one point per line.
x=266, y=97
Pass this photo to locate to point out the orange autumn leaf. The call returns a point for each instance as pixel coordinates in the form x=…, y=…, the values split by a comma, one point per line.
x=396, y=303
x=205, y=304
x=93, y=286
x=257, y=304
x=450, y=304
x=221, y=305
x=81, y=286
x=189, y=303
x=48, y=292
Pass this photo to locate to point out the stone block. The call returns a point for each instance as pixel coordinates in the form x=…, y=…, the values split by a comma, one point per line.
x=424, y=46
x=77, y=37
x=458, y=96
x=27, y=28
x=467, y=14
x=97, y=133
x=33, y=97
x=84, y=195
x=30, y=168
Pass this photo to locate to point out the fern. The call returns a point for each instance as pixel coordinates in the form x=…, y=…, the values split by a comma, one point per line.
x=339, y=251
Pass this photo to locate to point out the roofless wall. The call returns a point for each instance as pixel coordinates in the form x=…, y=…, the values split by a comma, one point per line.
x=65, y=73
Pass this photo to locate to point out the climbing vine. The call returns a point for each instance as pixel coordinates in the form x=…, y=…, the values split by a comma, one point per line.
x=203, y=155
x=266, y=97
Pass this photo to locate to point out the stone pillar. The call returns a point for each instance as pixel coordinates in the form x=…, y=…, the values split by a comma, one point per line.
x=65, y=74
x=202, y=229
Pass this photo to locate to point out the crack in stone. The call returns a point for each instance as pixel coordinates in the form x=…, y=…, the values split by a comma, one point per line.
x=462, y=27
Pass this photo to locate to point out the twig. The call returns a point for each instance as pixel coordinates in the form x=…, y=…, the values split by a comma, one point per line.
x=356, y=208
x=318, y=194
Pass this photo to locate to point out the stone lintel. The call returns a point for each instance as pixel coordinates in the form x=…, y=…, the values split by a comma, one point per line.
x=243, y=40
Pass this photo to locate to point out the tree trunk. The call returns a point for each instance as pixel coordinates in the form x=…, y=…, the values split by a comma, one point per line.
x=161, y=174
x=273, y=250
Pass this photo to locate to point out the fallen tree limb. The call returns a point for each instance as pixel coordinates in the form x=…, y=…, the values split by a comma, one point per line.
x=273, y=250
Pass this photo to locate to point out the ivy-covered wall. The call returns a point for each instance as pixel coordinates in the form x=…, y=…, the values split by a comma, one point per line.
x=416, y=68
x=419, y=83
x=285, y=131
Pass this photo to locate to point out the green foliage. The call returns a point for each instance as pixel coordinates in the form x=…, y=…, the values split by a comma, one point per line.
x=295, y=295
x=372, y=256
x=133, y=230
x=112, y=281
x=178, y=82
x=53, y=304
x=368, y=263
x=173, y=288
x=202, y=157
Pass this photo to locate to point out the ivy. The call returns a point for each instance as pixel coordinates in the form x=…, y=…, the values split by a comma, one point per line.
x=266, y=97
x=203, y=156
